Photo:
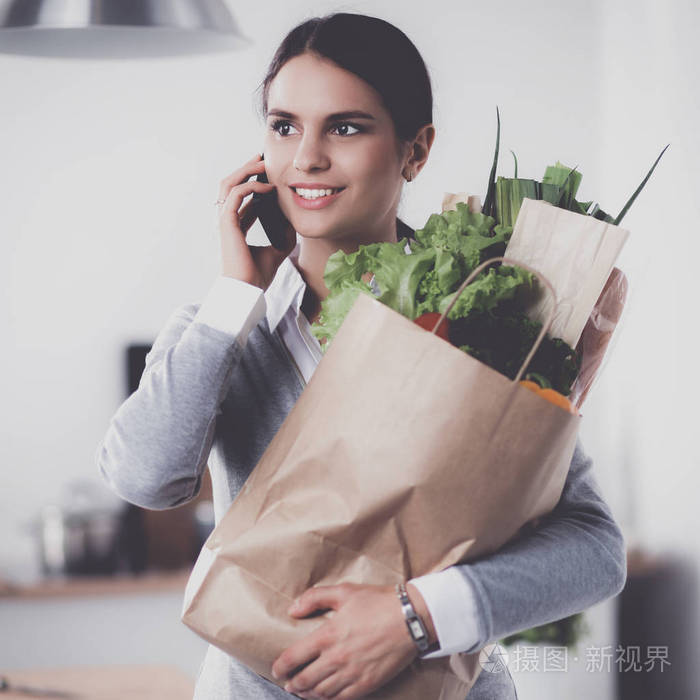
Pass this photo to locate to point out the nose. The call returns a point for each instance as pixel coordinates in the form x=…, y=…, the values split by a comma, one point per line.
x=311, y=155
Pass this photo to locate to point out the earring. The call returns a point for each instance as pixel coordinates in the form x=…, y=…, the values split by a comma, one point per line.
x=409, y=177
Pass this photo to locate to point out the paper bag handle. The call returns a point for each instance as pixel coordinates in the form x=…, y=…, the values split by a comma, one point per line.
x=539, y=275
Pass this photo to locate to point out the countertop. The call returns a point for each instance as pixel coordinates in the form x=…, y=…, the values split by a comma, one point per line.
x=81, y=586
x=105, y=682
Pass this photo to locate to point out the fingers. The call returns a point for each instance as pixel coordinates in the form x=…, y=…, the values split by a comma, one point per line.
x=360, y=649
x=307, y=680
x=325, y=597
x=254, y=166
x=323, y=678
x=239, y=192
x=236, y=186
x=301, y=653
x=240, y=260
x=334, y=684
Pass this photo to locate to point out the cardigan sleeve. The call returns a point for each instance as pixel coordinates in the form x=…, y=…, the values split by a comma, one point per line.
x=574, y=558
x=157, y=443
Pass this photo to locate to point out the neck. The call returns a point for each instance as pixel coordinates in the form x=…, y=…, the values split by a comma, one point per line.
x=314, y=254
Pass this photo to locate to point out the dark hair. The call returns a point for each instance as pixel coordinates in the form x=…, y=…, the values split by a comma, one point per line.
x=376, y=51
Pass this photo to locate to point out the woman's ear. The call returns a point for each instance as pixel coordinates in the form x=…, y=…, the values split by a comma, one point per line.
x=419, y=149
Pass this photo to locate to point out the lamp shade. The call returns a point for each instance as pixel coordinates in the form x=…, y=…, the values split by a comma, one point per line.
x=117, y=28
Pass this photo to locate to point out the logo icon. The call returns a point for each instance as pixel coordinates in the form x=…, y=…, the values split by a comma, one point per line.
x=493, y=658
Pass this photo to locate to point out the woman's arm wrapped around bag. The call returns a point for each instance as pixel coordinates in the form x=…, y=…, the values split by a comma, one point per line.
x=572, y=560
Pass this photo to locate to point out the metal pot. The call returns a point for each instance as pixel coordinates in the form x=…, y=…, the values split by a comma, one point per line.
x=81, y=533
x=74, y=543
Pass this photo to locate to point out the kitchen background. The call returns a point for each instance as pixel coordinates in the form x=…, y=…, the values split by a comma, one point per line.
x=109, y=170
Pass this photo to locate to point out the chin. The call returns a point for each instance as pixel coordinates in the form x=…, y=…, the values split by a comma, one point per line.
x=306, y=231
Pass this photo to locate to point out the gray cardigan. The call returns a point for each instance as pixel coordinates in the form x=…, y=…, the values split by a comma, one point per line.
x=206, y=398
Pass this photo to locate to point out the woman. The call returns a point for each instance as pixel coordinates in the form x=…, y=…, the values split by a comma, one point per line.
x=348, y=109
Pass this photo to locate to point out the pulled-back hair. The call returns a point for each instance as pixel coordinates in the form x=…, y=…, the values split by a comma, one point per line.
x=373, y=49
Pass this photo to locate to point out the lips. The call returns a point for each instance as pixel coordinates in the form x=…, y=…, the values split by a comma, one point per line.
x=316, y=202
x=314, y=186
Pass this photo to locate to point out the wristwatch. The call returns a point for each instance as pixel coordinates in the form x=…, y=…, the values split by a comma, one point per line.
x=415, y=625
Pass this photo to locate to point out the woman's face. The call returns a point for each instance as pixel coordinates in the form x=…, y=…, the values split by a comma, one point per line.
x=307, y=143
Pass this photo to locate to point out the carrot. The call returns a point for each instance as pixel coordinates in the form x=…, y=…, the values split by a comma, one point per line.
x=550, y=395
x=558, y=399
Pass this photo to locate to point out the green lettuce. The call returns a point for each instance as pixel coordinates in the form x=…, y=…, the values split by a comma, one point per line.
x=335, y=308
x=396, y=273
x=444, y=252
x=488, y=290
x=471, y=237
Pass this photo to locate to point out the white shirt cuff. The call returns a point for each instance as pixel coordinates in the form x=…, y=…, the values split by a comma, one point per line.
x=232, y=306
x=451, y=603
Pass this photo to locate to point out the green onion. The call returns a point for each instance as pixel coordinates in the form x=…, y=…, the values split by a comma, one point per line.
x=564, y=177
x=510, y=193
x=618, y=218
x=559, y=186
x=598, y=213
x=489, y=208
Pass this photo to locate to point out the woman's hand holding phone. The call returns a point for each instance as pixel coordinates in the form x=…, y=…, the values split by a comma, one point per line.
x=255, y=265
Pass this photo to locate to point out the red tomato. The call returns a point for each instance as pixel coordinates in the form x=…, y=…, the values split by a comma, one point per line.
x=428, y=321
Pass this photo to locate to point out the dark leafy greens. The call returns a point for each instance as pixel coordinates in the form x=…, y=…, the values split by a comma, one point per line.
x=502, y=341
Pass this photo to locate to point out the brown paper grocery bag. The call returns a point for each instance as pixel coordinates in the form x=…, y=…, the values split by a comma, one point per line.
x=403, y=456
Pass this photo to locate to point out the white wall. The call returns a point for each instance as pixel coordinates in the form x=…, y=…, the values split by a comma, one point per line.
x=109, y=171
x=651, y=97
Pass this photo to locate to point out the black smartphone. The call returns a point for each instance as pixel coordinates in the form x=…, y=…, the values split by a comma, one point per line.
x=272, y=219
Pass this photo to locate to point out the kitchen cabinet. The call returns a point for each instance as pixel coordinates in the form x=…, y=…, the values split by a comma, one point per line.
x=112, y=621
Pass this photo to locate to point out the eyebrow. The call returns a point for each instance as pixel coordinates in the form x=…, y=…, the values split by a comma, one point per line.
x=350, y=114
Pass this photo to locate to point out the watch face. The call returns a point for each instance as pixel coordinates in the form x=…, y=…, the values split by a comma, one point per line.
x=416, y=629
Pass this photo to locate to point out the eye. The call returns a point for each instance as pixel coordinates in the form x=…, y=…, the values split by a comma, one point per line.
x=280, y=124
x=345, y=125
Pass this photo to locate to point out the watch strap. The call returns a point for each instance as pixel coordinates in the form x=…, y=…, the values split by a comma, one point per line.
x=415, y=625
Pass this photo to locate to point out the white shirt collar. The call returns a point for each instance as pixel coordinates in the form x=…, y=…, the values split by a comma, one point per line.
x=286, y=289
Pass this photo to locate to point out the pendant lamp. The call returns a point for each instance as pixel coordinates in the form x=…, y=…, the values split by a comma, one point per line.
x=117, y=28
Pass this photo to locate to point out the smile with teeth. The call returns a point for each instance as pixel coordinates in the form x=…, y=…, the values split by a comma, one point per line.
x=315, y=194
